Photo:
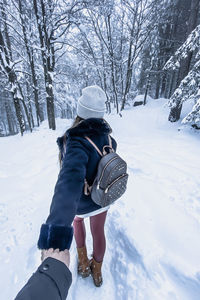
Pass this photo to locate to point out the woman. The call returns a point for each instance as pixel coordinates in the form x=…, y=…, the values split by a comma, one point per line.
x=71, y=202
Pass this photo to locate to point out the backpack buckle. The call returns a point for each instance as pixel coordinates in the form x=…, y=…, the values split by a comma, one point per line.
x=87, y=188
x=111, y=150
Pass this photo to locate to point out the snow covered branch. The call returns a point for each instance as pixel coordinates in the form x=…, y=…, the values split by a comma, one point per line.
x=191, y=44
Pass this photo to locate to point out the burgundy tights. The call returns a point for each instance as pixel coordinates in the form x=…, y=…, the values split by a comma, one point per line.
x=97, y=229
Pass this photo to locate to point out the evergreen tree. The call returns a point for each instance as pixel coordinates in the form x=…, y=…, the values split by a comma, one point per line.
x=190, y=85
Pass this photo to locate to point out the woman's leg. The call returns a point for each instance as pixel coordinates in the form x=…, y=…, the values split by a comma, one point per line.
x=79, y=232
x=97, y=229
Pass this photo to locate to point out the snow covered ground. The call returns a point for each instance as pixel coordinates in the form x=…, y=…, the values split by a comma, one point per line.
x=153, y=244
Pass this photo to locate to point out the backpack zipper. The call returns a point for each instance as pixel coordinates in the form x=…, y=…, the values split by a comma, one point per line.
x=109, y=162
x=106, y=190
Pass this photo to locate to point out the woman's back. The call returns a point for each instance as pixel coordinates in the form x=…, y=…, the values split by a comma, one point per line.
x=98, y=130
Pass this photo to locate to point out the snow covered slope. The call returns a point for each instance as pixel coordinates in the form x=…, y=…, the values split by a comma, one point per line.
x=153, y=244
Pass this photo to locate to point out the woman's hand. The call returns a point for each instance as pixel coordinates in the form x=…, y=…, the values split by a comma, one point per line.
x=62, y=256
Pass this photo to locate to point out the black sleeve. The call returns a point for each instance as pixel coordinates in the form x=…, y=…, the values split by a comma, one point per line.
x=51, y=281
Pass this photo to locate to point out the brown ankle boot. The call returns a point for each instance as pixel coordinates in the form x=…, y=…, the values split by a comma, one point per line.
x=96, y=272
x=83, y=262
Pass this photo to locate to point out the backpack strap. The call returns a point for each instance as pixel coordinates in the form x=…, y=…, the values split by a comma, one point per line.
x=94, y=145
x=106, y=146
x=110, y=141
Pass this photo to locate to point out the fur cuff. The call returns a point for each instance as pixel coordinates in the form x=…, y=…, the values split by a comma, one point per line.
x=55, y=236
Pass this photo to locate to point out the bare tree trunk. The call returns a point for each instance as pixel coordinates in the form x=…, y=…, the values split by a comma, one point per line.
x=50, y=101
x=18, y=111
x=9, y=119
x=32, y=65
x=102, y=43
x=129, y=71
x=12, y=78
x=25, y=108
x=146, y=90
x=157, y=91
x=48, y=58
x=163, y=91
x=30, y=111
x=108, y=106
x=112, y=58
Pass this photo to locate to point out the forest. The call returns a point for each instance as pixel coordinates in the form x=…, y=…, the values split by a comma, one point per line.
x=51, y=49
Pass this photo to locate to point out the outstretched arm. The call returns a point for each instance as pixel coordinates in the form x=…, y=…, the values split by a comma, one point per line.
x=51, y=281
x=57, y=232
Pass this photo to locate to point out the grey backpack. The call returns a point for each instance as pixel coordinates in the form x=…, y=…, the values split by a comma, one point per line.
x=111, y=178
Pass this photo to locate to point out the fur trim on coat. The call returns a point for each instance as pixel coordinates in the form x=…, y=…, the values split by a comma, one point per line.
x=56, y=237
x=87, y=127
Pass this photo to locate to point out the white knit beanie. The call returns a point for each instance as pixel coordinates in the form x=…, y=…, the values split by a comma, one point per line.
x=92, y=103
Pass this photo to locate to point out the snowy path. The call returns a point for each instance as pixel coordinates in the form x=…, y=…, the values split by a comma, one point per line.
x=153, y=245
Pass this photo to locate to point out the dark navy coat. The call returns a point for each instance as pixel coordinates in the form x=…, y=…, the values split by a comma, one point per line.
x=79, y=163
x=51, y=281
